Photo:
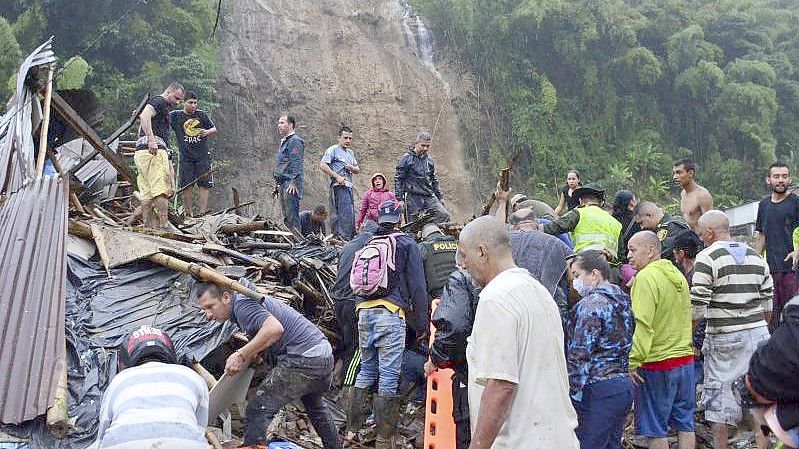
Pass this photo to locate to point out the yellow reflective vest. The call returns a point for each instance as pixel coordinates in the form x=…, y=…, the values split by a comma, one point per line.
x=596, y=229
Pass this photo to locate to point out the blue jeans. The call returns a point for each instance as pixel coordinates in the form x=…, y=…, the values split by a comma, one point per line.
x=602, y=413
x=343, y=212
x=418, y=203
x=290, y=205
x=413, y=375
x=382, y=342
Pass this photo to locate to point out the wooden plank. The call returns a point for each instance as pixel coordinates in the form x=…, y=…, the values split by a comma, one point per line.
x=87, y=132
x=115, y=135
x=45, y=125
x=236, y=201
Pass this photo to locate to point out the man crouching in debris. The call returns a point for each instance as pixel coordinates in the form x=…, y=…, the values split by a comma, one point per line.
x=304, y=367
x=153, y=401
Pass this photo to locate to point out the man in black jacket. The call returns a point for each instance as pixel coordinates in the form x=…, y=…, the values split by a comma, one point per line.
x=453, y=320
x=771, y=378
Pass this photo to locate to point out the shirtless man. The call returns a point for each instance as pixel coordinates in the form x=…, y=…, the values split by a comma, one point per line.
x=694, y=199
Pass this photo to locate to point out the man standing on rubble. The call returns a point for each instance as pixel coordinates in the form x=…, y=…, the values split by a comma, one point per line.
x=662, y=357
x=344, y=298
x=732, y=289
x=304, y=367
x=154, y=118
x=340, y=164
x=289, y=171
x=192, y=128
x=382, y=320
x=518, y=383
x=416, y=183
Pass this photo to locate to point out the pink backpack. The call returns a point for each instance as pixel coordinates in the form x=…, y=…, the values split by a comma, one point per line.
x=372, y=265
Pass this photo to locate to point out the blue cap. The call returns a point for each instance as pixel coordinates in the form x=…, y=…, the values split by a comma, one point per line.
x=389, y=212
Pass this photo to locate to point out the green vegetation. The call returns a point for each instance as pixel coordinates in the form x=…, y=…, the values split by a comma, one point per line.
x=621, y=88
x=155, y=43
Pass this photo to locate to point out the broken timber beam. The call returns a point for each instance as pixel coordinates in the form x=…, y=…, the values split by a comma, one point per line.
x=242, y=227
x=87, y=132
x=198, y=271
x=114, y=136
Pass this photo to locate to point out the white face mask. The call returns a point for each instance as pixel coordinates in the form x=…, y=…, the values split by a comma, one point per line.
x=582, y=289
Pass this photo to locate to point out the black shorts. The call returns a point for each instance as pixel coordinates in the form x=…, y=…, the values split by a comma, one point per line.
x=193, y=169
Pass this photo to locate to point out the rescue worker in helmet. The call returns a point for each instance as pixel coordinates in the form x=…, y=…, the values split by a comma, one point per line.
x=153, y=402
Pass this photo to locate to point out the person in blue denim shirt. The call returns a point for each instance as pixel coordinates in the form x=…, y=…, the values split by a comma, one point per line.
x=289, y=171
x=600, y=333
x=381, y=331
x=339, y=163
x=416, y=183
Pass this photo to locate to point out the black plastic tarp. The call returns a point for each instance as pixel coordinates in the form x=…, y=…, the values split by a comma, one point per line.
x=100, y=312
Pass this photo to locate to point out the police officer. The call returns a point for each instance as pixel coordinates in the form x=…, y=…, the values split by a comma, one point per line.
x=438, y=253
x=650, y=217
x=591, y=226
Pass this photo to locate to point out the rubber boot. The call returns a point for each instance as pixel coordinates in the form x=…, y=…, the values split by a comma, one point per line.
x=356, y=412
x=387, y=410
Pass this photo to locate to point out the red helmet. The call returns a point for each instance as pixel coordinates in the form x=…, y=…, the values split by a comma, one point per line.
x=147, y=344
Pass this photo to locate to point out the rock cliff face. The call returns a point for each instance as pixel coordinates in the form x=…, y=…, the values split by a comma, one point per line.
x=364, y=63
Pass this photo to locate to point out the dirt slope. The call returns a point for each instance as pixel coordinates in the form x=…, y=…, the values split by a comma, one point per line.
x=327, y=62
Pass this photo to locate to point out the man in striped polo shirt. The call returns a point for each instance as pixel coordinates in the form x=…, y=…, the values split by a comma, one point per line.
x=733, y=290
x=154, y=402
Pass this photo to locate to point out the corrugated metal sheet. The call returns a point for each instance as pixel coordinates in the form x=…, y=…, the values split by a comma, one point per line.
x=17, y=163
x=33, y=229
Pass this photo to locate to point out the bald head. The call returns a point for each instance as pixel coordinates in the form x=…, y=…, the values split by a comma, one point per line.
x=487, y=231
x=712, y=226
x=643, y=248
x=648, y=215
x=715, y=220
x=484, y=249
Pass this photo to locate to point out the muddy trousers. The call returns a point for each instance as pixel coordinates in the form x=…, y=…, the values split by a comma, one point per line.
x=292, y=378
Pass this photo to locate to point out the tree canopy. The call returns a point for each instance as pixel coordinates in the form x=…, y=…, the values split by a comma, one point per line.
x=118, y=49
x=621, y=88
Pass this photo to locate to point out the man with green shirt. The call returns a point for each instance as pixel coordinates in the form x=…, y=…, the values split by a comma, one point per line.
x=661, y=359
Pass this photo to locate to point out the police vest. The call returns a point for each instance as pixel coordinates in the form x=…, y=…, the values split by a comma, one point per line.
x=596, y=229
x=440, y=261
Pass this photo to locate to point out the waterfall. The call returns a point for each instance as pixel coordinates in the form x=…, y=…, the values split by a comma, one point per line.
x=417, y=36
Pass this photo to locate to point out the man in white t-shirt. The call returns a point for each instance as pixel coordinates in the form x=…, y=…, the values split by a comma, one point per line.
x=518, y=384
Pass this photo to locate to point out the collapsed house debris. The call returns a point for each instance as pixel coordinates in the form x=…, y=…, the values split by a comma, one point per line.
x=77, y=275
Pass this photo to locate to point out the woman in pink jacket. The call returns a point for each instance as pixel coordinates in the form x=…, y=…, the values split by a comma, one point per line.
x=373, y=198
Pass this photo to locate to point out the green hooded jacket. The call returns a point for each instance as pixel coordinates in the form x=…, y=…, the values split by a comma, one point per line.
x=661, y=303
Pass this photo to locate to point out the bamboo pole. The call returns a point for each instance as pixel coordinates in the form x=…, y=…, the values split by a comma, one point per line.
x=213, y=440
x=204, y=274
x=209, y=378
x=48, y=98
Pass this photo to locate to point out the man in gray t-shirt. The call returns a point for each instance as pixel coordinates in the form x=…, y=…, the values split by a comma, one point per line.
x=304, y=367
